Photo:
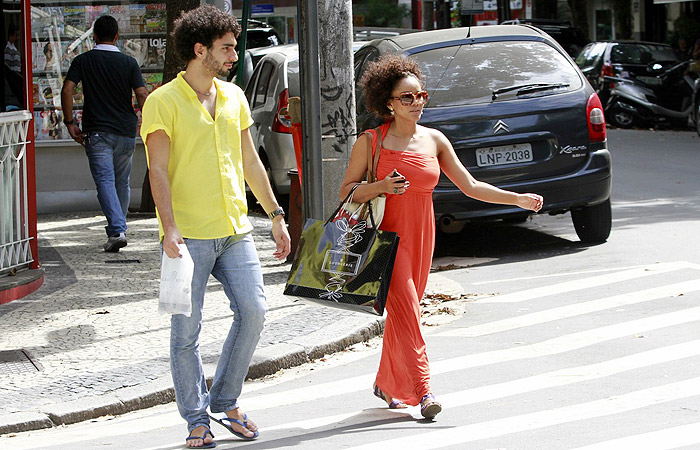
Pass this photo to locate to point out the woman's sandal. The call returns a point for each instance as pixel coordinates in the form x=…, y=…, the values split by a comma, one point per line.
x=202, y=437
x=429, y=407
x=395, y=404
x=244, y=424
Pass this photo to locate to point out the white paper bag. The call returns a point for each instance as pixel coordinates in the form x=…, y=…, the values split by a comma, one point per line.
x=176, y=283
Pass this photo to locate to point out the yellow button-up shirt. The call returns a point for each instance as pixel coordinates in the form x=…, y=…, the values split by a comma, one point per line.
x=205, y=169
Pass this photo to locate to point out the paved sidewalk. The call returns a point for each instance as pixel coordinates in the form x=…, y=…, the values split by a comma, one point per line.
x=102, y=347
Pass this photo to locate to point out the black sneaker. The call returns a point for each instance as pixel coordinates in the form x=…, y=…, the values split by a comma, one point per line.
x=114, y=243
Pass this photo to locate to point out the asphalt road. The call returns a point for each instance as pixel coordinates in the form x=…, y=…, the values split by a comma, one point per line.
x=565, y=346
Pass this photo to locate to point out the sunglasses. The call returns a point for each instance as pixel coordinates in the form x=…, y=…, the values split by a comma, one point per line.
x=409, y=98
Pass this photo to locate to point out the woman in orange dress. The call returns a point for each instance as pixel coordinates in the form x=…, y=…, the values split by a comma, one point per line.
x=409, y=167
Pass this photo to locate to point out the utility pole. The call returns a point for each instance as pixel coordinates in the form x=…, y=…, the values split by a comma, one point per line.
x=337, y=95
x=442, y=13
x=428, y=15
x=242, y=43
x=311, y=168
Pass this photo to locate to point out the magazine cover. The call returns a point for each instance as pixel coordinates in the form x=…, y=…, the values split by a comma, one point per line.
x=156, y=52
x=137, y=16
x=77, y=118
x=155, y=18
x=35, y=91
x=37, y=125
x=66, y=57
x=48, y=56
x=92, y=12
x=78, y=98
x=136, y=48
x=152, y=81
x=51, y=125
x=49, y=91
x=74, y=20
x=48, y=20
x=38, y=56
x=121, y=15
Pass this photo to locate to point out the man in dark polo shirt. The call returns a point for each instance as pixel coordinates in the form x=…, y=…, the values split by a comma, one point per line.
x=109, y=121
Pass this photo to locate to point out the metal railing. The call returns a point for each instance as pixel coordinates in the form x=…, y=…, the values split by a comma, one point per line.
x=14, y=223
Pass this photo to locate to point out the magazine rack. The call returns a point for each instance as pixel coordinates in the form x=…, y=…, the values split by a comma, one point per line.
x=61, y=30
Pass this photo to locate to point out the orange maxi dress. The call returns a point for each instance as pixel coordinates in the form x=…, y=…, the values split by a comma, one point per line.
x=403, y=370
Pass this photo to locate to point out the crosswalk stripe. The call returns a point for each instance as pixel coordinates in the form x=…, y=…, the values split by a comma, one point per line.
x=546, y=348
x=577, y=309
x=541, y=419
x=550, y=347
x=547, y=380
x=568, y=342
x=140, y=422
x=587, y=283
x=667, y=439
x=572, y=375
x=554, y=275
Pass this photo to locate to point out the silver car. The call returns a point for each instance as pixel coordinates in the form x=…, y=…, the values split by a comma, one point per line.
x=275, y=79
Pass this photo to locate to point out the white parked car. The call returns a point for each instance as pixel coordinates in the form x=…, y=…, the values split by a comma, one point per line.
x=274, y=80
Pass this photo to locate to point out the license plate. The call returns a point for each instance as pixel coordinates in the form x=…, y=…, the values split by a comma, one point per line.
x=651, y=81
x=504, y=154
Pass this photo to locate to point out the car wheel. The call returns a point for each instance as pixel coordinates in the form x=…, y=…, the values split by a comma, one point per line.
x=593, y=223
x=620, y=118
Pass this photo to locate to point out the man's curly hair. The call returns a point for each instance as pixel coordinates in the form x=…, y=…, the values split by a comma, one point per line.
x=382, y=76
x=204, y=24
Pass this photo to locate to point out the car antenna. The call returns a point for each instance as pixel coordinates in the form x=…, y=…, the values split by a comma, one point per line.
x=471, y=20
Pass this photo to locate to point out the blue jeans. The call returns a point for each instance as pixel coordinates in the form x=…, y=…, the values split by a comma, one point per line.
x=234, y=263
x=110, y=157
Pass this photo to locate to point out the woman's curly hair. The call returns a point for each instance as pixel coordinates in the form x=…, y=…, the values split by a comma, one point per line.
x=381, y=77
x=204, y=24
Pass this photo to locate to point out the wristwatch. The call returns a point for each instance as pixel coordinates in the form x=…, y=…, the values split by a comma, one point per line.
x=275, y=213
x=68, y=122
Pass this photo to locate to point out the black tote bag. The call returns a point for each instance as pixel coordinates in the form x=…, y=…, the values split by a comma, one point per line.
x=344, y=265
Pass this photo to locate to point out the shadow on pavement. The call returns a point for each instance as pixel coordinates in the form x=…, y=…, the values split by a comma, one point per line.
x=348, y=427
x=503, y=242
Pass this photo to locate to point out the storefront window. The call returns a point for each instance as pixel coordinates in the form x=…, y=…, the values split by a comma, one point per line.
x=62, y=30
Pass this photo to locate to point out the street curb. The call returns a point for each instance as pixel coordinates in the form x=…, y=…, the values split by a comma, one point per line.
x=266, y=361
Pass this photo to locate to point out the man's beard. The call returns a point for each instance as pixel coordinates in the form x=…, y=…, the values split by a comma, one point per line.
x=216, y=69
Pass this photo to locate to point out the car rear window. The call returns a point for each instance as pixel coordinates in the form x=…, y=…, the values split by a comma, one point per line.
x=469, y=74
x=641, y=53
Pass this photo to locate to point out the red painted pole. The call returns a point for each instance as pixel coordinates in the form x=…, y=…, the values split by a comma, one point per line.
x=417, y=14
x=30, y=157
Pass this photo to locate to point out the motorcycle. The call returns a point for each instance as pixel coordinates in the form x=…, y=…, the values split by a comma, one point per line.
x=664, y=97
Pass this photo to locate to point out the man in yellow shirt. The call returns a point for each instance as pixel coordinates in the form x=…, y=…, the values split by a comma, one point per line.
x=200, y=155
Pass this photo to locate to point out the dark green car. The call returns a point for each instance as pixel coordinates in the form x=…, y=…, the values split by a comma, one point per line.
x=520, y=115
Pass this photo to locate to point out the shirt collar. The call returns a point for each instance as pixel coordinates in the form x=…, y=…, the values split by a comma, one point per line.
x=190, y=92
x=107, y=47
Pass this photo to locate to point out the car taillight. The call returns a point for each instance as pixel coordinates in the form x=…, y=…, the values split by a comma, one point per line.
x=607, y=71
x=283, y=121
x=595, y=118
